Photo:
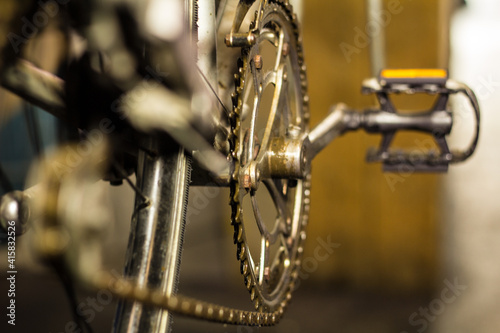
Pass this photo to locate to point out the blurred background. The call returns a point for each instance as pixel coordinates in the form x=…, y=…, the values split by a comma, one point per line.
x=408, y=252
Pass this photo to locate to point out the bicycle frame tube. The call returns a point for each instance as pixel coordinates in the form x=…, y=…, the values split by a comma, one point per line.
x=377, y=46
x=155, y=244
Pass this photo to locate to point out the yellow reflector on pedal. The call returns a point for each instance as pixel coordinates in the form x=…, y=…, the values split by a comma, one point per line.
x=414, y=74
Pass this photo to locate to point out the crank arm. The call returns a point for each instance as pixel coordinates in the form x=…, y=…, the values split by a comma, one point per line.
x=340, y=120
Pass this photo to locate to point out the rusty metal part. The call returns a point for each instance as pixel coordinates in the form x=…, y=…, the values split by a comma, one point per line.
x=183, y=305
x=270, y=281
x=287, y=158
x=258, y=61
x=71, y=225
x=279, y=276
x=268, y=310
x=240, y=40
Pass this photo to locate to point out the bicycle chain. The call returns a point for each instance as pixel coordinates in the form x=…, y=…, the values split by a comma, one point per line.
x=191, y=307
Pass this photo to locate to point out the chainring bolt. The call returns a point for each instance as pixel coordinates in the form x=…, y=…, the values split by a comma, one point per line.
x=258, y=61
x=286, y=49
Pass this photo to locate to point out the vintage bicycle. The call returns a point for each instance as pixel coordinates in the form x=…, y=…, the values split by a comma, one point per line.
x=193, y=93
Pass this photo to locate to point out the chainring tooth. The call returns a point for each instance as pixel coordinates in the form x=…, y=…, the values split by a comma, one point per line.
x=268, y=318
x=253, y=294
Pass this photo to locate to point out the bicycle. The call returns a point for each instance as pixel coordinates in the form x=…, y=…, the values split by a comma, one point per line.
x=174, y=137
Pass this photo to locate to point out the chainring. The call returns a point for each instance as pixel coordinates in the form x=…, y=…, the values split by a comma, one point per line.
x=270, y=102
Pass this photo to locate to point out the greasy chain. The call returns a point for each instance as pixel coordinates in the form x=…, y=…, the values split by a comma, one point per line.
x=213, y=312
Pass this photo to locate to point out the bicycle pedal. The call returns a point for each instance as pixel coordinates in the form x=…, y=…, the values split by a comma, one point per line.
x=437, y=121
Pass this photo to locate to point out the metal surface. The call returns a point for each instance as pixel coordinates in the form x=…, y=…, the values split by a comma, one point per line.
x=154, y=249
x=68, y=209
x=15, y=206
x=241, y=11
x=183, y=305
x=273, y=161
x=36, y=86
x=269, y=260
x=436, y=121
x=207, y=46
x=200, y=176
x=294, y=230
x=377, y=37
x=165, y=92
x=286, y=159
x=73, y=219
x=335, y=124
x=270, y=158
x=163, y=110
x=457, y=87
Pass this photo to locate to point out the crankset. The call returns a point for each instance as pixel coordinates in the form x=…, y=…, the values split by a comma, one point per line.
x=270, y=113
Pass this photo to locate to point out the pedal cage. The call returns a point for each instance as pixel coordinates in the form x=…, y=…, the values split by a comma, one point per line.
x=437, y=121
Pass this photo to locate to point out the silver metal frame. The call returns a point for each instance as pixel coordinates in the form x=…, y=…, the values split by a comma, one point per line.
x=155, y=244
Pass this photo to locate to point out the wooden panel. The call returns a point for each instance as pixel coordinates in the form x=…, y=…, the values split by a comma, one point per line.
x=385, y=224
